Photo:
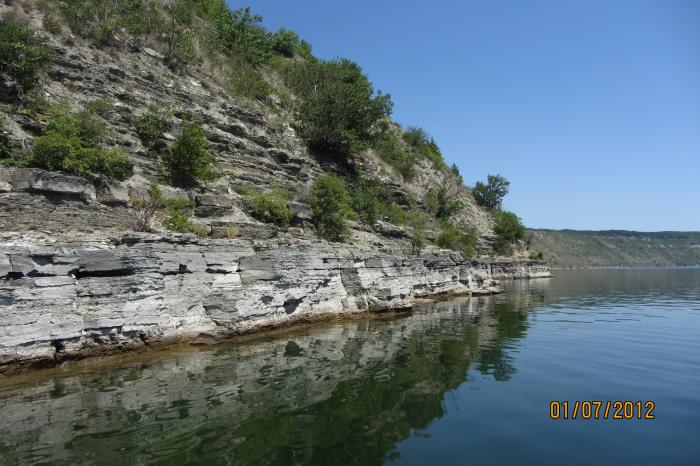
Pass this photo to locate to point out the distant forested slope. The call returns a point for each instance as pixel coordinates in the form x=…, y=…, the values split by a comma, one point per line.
x=572, y=248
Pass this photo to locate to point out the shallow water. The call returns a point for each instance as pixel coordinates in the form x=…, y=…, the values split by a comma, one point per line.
x=463, y=381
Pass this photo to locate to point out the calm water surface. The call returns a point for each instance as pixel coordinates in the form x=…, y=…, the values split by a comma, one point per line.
x=467, y=381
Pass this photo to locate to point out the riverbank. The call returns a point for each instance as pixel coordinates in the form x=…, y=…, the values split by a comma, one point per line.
x=69, y=299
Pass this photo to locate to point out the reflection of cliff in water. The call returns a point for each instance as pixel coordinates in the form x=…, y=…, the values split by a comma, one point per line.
x=337, y=393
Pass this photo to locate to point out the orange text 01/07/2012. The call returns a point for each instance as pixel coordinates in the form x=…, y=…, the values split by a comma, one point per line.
x=616, y=410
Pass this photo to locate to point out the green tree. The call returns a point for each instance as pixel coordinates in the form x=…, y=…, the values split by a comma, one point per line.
x=458, y=238
x=491, y=195
x=70, y=142
x=285, y=42
x=22, y=53
x=509, y=229
x=270, y=207
x=150, y=127
x=188, y=158
x=425, y=145
x=366, y=201
x=442, y=202
x=331, y=205
x=339, y=104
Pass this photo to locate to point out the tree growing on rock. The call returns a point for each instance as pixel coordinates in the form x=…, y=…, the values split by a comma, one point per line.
x=22, y=53
x=491, y=194
x=331, y=206
x=339, y=104
x=188, y=158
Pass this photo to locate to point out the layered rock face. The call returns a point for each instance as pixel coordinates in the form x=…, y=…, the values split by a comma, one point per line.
x=63, y=299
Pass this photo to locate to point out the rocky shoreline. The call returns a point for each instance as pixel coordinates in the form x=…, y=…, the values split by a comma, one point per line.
x=62, y=300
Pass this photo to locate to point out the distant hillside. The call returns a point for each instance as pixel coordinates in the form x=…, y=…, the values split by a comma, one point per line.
x=571, y=248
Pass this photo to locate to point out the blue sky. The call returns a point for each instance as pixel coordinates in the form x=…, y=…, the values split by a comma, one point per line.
x=590, y=108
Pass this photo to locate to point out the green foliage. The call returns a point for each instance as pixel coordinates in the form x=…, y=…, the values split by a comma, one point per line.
x=51, y=25
x=179, y=222
x=390, y=149
x=99, y=107
x=491, y=195
x=7, y=152
x=285, y=42
x=458, y=238
x=150, y=127
x=22, y=53
x=178, y=35
x=537, y=257
x=441, y=203
x=70, y=143
x=425, y=145
x=177, y=213
x=367, y=201
x=331, y=205
x=237, y=32
x=509, y=229
x=188, y=158
x=248, y=82
x=454, y=169
x=304, y=51
x=339, y=104
x=269, y=207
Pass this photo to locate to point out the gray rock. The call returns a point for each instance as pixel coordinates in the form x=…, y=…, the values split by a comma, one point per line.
x=158, y=289
x=212, y=205
x=113, y=194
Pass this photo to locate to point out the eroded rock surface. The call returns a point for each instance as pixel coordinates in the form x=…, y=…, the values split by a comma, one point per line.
x=63, y=299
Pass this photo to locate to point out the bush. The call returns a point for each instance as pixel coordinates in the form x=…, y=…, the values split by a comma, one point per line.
x=425, y=145
x=22, y=53
x=366, y=201
x=509, y=229
x=269, y=207
x=238, y=32
x=177, y=213
x=285, y=42
x=70, y=143
x=188, y=158
x=537, y=257
x=330, y=202
x=100, y=21
x=458, y=238
x=248, y=82
x=339, y=104
x=491, y=195
x=7, y=152
x=441, y=203
x=392, y=151
x=150, y=128
x=179, y=222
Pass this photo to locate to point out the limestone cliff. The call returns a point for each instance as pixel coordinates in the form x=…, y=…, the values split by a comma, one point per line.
x=76, y=280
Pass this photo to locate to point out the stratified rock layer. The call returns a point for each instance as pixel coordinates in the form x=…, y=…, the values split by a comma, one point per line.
x=60, y=300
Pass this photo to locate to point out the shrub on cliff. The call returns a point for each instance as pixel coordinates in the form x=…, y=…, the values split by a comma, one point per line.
x=441, y=202
x=339, y=104
x=269, y=207
x=150, y=127
x=491, y=194
x=285, y=42
x=458, y=238
x=390, y=149
x=367, y=201
x=509, y=229
x=330, y=202
x=188, y=158
x=70, y=143
x=425, y=145
x=22, y=53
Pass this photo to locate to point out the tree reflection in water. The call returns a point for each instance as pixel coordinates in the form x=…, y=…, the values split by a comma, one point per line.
x=329, y=394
